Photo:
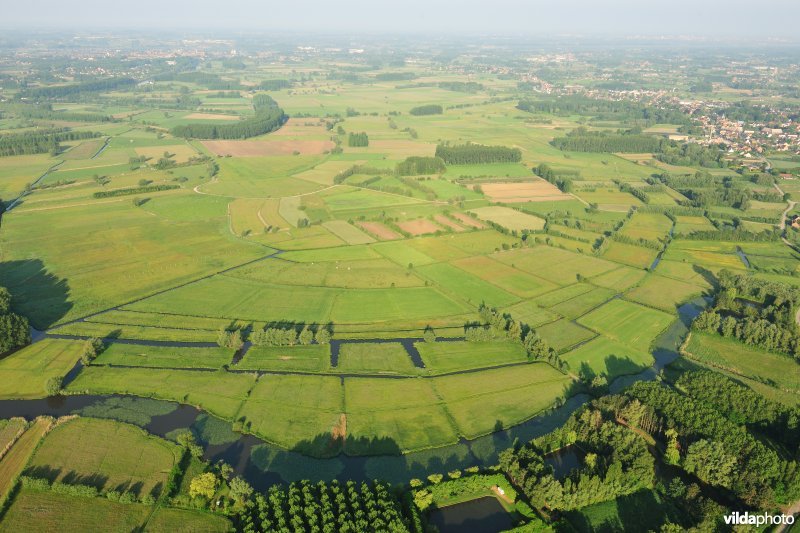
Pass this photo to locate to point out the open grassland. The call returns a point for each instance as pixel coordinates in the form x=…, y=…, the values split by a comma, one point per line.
x=373, y=358
x=602, y=356
x=454, y=356
x=17, y=171
x=14, y=461
x=34, y=510
x=10, y=429
x=311, y=358
x=564, y=334
x=464, y=285
x=220, y=393
x=481, y=402
x=92, y=258
x=24, y=374
x=268, y=148
x=392, y=415
x=106, y=454
x=628, y=254
x=710, y=255
x=647, y=226
x=620, y=279
x=164, y=356
x=583, y=303
x=686, y=225
x=278, y=412
x=777, y=370
x=347, y=232
x=96, y=327
x=506, y=277
x=509, y=218
x=171, y=520
x=553, y=264
x=632, y=324
x=663, y=293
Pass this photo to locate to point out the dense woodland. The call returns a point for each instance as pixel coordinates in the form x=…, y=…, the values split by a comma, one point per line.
x=476, y=154
x=757, y=312
x=430, y=109
x=40, y=141
x=14, y=330
x=416, y=165
x=325, y=507
x=357, y=139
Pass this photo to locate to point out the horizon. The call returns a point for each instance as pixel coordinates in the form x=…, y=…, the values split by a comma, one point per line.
x=683, y=20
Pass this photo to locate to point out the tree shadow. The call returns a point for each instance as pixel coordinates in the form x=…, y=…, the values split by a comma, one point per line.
x=621, y=366
x=707, y=275
x=93, y=480
x=43, y=472
x=37, y=294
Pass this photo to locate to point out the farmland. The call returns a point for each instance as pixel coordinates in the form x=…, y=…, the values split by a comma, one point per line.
x=319, y=260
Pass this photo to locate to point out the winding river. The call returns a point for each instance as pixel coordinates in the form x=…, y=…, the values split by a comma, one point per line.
x=264, y=464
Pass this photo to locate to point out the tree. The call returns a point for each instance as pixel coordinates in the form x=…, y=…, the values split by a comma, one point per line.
x=240, y=490
x=429, y=335
x=709, y=461
x=423, y=499
x=225, y=470
x=306, y=336
x=323, y=336
x=203, y=486
x=53, y=386
x=672, y=454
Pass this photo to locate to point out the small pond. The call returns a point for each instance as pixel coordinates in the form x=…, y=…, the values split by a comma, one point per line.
x=484, y=515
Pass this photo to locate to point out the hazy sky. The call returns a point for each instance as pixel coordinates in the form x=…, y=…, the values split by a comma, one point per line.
x=745, y=18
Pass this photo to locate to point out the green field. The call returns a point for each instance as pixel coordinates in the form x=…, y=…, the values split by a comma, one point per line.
x=777, y=370
x=603, y=356
x=631, y=324
x=373, y=358
x=25, y=373
x=453, y=356
x=35, y=510
x=106, y=454
x=166, y=357
x=311, y=358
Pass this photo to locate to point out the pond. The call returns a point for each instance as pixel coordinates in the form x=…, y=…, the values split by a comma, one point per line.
x=564, y=461
x=484, y=515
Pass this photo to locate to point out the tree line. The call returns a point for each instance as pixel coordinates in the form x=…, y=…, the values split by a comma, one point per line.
x=429, y=109
x=62, y=91
x=416, y=165
x=472, y=154
x=268, y=117
x=14, y=330
x=357, y=139
x=134, y=190
x=583, y=140
x=40, y=141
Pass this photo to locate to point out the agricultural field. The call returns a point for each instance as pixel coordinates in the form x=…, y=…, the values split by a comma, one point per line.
x=389, y=199
x=106, y=454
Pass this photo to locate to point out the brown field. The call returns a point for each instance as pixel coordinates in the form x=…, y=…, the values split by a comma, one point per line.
x=300, y=127
x=211, y=116
x=446, y=222
x=379, y=230
x=264, y=148
x=421, y=226
x=535, y=191
x=467, y=220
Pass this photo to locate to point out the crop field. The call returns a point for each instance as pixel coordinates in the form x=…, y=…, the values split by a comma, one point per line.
x=563, y=334
x=106, y=454
x=379, y=230
x=418, y=227
x=535, y=191
x=347, y=232
x=466, y=286
x=267, y=148
x=629, y=323
x=647, y=226
x=504, y=276
x=628, y=254
x=558, y=266
x=509, y=218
